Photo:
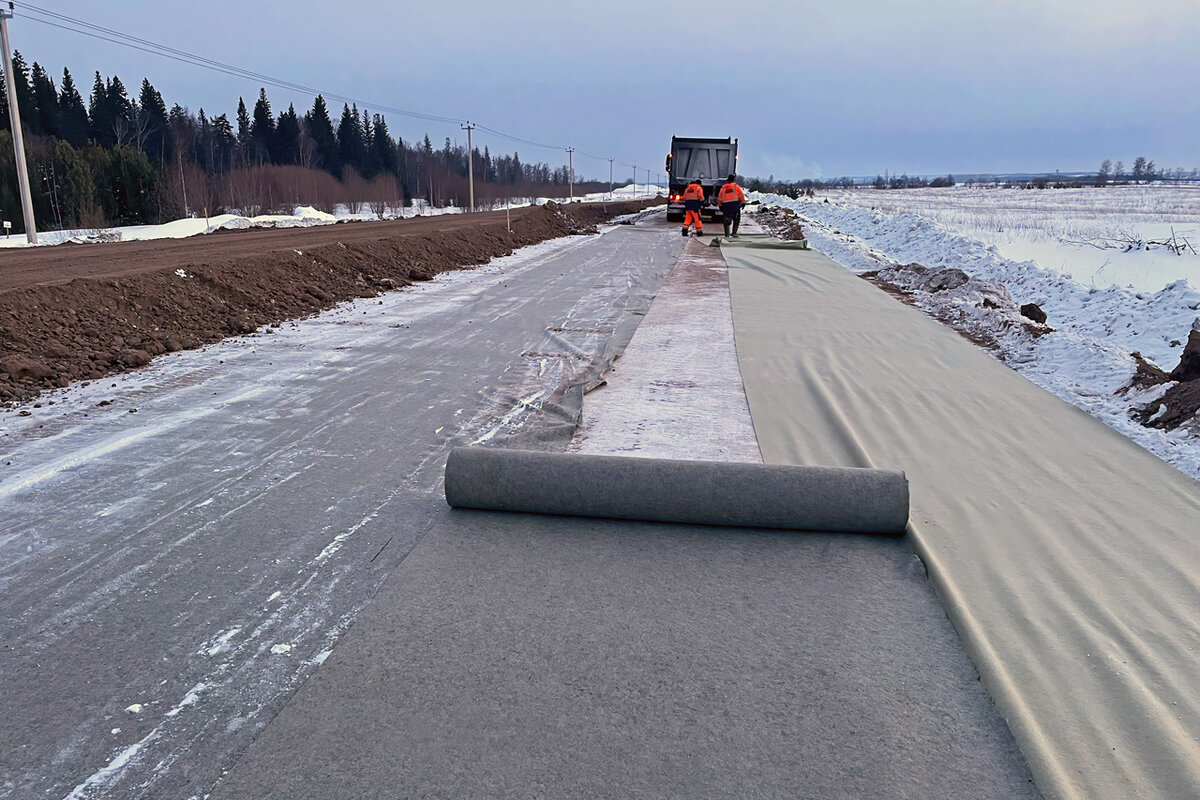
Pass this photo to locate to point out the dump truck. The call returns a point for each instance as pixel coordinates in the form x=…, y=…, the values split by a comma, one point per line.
x=708, y=160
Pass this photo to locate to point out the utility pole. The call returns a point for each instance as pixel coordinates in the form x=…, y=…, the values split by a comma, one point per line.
x=14, y=116
x=470, y=163
x=635, y=191
x=571, y=171
x=610, y=182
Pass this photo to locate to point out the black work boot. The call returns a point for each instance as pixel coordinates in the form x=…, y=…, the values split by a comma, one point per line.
x=685, y=230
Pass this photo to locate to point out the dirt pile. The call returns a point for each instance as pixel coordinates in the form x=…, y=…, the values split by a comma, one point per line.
x=781, y=222
x=1180, y=404
x=191, y=294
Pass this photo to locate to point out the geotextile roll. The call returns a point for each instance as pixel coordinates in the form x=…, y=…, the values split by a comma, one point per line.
x=839, y=499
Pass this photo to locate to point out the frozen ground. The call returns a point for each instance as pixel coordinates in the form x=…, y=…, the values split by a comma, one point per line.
x=1086, y=359
x=301, y=217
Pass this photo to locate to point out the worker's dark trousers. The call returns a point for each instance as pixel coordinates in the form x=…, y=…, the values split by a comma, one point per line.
x=732, y=212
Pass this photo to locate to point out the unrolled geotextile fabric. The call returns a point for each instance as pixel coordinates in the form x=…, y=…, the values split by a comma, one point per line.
x=1067, y=556
x=845, y=500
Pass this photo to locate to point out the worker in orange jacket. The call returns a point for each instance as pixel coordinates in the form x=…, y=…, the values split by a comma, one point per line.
x=731, y=198
x=693, y=201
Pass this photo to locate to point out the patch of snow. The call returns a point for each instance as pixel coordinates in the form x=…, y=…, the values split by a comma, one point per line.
x=190, y=699
x=221, y=642
x=111, y=771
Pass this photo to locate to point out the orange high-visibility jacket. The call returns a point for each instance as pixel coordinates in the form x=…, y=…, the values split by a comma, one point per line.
x=729, y=193
x=694, y=191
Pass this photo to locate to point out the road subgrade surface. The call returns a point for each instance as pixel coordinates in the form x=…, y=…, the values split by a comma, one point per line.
x=169, y=577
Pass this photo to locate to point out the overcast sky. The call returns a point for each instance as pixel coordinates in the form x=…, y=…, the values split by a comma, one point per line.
x=811, y=89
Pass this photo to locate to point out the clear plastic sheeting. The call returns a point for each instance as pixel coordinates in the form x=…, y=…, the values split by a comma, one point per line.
x=1066, y=556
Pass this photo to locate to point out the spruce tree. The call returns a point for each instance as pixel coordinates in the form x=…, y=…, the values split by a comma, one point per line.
x=489, y=166
x=100, y=121
x=45, y=96
x=287, y=137
x=384, y=156
x=72, y=114
x=320, y=128
x=243, y=132
x=350, y=138
x=205, y=154
x=122, y=112
x=152, y=119
x=224, y=143
x=262, y=129
x=25, y=99
x=367, y=164
x=183, y=133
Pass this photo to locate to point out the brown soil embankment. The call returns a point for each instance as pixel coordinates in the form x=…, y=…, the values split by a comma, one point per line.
x=80, y=312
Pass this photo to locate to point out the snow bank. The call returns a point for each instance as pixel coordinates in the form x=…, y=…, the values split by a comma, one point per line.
x=301, y=217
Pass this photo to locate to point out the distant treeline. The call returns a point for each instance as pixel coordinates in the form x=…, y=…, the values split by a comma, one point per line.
x=116, y=160
x=1142, y=171
x=808, y=186
x=798, y=188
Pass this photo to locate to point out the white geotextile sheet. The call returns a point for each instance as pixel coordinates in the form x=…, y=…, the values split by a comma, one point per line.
x=1067, y=557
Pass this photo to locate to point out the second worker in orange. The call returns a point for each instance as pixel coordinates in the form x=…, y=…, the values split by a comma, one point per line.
x=693, y=201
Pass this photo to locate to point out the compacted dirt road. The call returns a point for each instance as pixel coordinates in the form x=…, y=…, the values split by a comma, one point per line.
x=79, y=312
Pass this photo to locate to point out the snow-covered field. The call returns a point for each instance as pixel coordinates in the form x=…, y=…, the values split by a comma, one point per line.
x=301, y=217
x=990, y=234
x=1098, y=237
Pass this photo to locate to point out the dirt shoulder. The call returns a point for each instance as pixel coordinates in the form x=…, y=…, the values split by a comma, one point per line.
x=80, y=312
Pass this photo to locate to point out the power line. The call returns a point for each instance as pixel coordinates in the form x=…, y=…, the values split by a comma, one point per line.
x=71, y=24
x=520, y=140
x=99, y=32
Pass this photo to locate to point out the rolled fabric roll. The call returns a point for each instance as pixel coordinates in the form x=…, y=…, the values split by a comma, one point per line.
x=840, y=499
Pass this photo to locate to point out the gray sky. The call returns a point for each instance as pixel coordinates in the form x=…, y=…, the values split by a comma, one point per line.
x=812, y=89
